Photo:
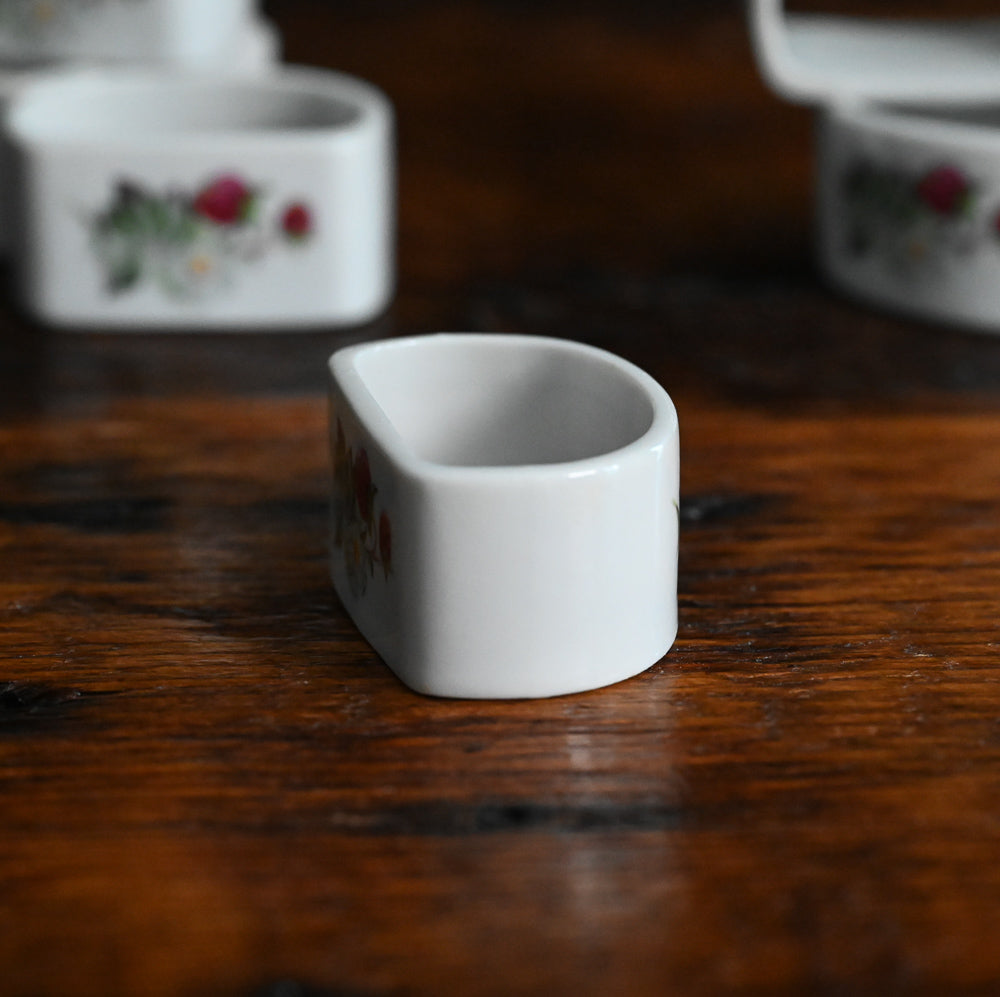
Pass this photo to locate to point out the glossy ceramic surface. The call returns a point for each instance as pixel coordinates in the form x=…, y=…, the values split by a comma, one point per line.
x=504, y=515
x=148, y=198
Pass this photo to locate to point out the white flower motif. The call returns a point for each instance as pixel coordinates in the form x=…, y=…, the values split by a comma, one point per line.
x=194, y=268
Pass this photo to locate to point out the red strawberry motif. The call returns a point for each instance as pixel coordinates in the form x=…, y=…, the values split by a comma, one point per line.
x=944, y=190
x=225, y=201
x=297, y=221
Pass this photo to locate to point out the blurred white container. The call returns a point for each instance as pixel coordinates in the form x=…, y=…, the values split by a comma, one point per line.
x=504, y=517
x=908, y=188
x=254, y=48
x=180, y=200
x=174, y=31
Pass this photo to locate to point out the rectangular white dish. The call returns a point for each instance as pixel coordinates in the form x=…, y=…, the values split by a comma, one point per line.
x=908, y=157
x=254, y=48
x=181, y=200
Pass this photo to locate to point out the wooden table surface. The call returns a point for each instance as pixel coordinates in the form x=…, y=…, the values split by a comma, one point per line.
x=211, y=787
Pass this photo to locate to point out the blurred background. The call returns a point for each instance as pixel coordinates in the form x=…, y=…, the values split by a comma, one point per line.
x=559, y=163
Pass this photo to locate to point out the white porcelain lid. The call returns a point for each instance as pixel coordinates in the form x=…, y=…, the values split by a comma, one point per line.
x=819, y=58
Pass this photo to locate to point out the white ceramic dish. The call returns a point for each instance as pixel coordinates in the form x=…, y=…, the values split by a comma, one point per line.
x=909, y=210
x=180, y=200
x=175, y=31
x=254, y=48
x=504, y=516
x=908, y=192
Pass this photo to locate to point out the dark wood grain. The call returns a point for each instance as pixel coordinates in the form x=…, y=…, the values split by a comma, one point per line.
x=211, y=787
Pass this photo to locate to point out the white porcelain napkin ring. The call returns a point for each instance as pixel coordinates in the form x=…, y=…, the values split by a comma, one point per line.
x=504, y=514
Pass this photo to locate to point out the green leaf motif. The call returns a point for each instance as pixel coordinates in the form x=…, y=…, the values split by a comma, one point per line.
x=124, y=274
x=184, y=244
